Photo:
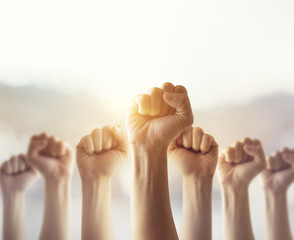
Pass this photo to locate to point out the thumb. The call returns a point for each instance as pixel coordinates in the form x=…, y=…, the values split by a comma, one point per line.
x=289, y=158
x=36, y=146
x=120, y=136
x=256, y=152
x=175, y=100
x=181, y=103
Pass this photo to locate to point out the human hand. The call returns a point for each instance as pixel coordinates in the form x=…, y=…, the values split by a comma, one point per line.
x=16, y=176
x=101, y=153
x=158, y=117
x=194, y=153
x=50, y=156
x=279, y=173
x=241, y=163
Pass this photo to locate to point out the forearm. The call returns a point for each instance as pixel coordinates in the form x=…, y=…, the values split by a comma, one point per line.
x=236, y=213
x=57, y=210
x=196, y=220
x=96, y=213
x=277, y=220
x=151, y=215
x=13, y=217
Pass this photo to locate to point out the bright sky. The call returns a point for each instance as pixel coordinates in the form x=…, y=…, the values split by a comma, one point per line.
x=222, y=51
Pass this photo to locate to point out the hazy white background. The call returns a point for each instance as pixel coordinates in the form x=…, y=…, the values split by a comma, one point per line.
x=69, y=66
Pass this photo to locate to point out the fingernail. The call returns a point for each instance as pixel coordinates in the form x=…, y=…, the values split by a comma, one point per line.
x=169, y=96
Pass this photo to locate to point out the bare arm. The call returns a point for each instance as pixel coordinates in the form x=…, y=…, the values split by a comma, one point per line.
x=150, y=204
x=196, y=220
x=99, y=157
x=56, y=210
x=153, y=121
x=236, y=213
x=16, y=177
x=96, y=212
x=237, y=167
x=195, y=155
x=53, y=158
x=276, y=180
x=13, y=217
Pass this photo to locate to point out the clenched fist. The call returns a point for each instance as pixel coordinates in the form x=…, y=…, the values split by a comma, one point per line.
x=101, y=153
x=16, y=175
x=241, y=162
x=279, y=173
x=52, y=157
x=194, y=153
x=159, y=116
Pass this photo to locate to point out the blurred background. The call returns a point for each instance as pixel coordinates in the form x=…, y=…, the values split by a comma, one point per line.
x=67, y=67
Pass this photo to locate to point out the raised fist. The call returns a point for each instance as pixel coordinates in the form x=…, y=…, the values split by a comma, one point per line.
x=16, y=175
x=52, y=157
x=101, y=153
x=194, y=153
x=240, y=163
x=279, y=173
x=159, y=116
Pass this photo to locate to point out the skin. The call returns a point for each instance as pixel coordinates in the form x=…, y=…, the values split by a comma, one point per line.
x=195, y=155
x=99, y=157
x=53, y=159
x=16, y=177
x=153, y=120
x=276, y=179
x=238, y=165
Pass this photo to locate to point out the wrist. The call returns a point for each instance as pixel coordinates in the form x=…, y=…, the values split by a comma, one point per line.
x=234, y=187
x=198, y=180
x=200, y=188
x=12, y=197
x=148, y=160
x=273, y=195
x=234, y=199
x=274, y=191
x=92, y=186
x=58, y=188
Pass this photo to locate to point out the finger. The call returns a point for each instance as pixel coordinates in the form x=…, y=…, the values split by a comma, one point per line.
x=166, y=87
x=21, y=163
x=120, y=137
x=205, y=143
x=106, y=138
x=230, y=154
x=247, y=140
x=43, y=135
x=97, y=139
x=52, y=148
x=187, y=138
x=222, y=158
x=176, y=100
x=197, y=138
x=68, y=151
x=143, y=102
x=288, y=157
x=270, y=163
x=277, y=160
x=59, y=148
x=36, y=146
x=14, y=164
x=180, y=89
x=255, y=150
x=88, y=144
x=180, y=140
x=155, y=101
x=7, y=168
x=239, y=152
